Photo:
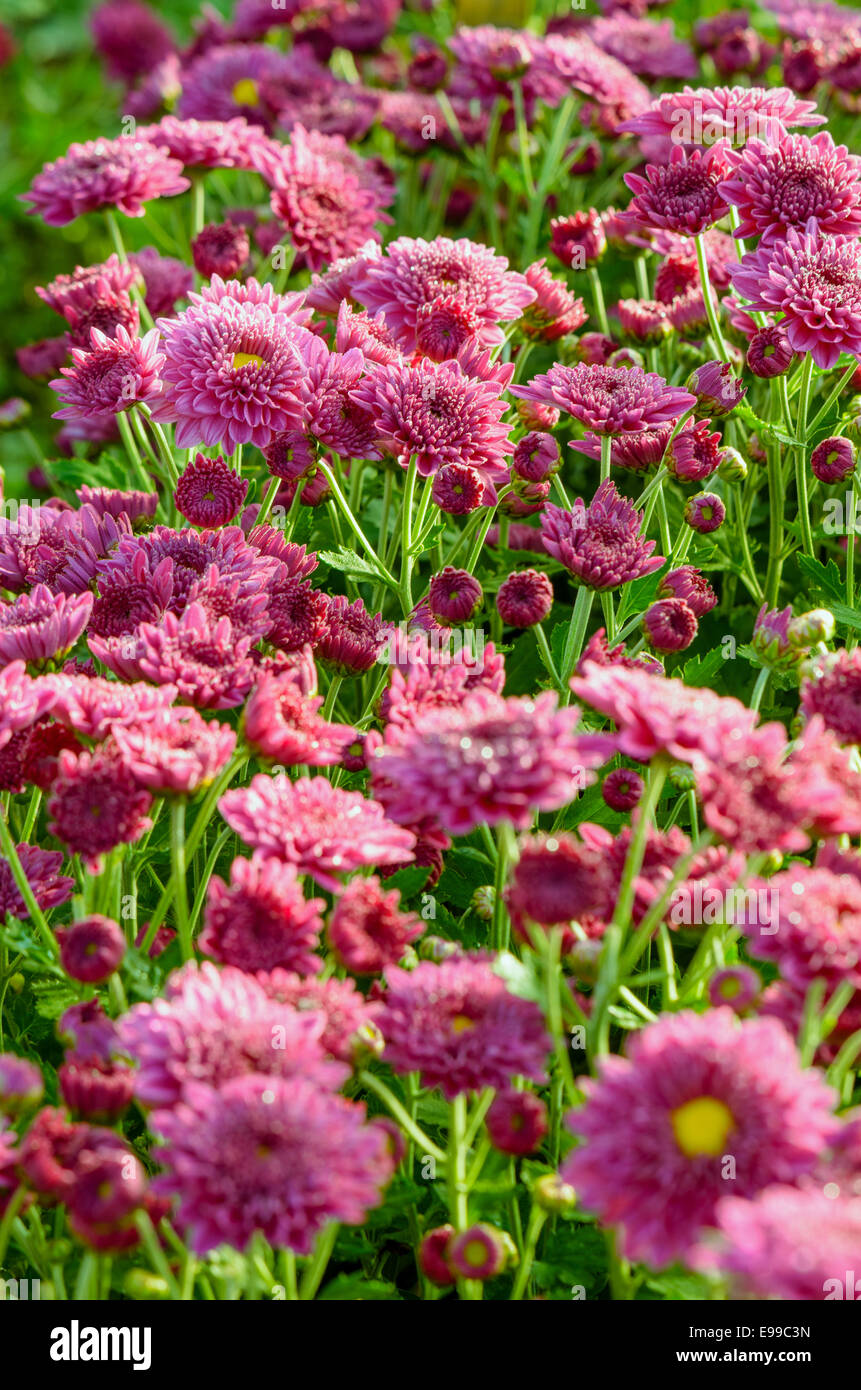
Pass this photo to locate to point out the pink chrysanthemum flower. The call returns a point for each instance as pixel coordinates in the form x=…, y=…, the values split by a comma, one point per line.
x=332, y=413
x=298, y=616
x=694, y=454
x=413, y=273
x=609, y=400
x=234, y=79
x=337, y=283
x=166, y=280
x=218, y=144
x=459, y=1026
x=22, y=700
x=276, y=1157
x=655, y=716
x=759, y=796
x=681, y=196
x=814, y=280
x=213, y=1025
x=109, y=501
x=833, y=691
x=209, y=492
x=96, y=804
x=525, y=598
x=130, y=38
x=352, y=639
x=93, y=706
x=601, y=544
x=670, y=625
x=40, y=625
x=439, y=414
x=124, y=174
x=559, y=879
x=658, y=1125
x=815, y=931
x=704, y=115
x=252, y=292
x=367, y=332
x=262, y=920
x=113, y=375
x=175, y=752
x=232, y=374
x=42, y=871
x=367, y=931
x=443, y=326
x=321, y=829
x=201, y=656
x=283, y=723
x=88, y=281
x=648, y=47
x=555, y=312
x=420, y=688
x=458, y=489
x=776, y=187
x=349, y=1017
x=328, y=210
x=690, y=584
x=489, y=759
x=220, y=248
x=788, y=1244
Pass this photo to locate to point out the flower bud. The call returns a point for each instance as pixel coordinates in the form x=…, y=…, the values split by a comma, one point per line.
x=717, y=388
x=807, y=629
x=483, y=900
x=732, y=466
x=553, y=1195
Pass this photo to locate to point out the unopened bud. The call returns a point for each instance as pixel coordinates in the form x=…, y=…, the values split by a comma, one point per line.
x=553, y=1195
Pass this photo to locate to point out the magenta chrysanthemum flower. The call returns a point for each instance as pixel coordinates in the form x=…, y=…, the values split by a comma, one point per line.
x=201, y=656
x=96, y=804
x=759, y=799
x=453, y=596
x=42, y=870
x=833, y=460
x=214, y=1025
x=816, y=927
x=413, y=273
x=349, y=1026
x=439, y=414
x=601, y=544
x=262, y=920
x=298, y=614
x=705, y=513
x=516, y=1122
x=175, y=751
x=220, y=248
x=166, y=280
x=681, y=196
x=321, y=829
x=209, y=492
x=690, y=584
x=234, y=79
x=704, y=115
x=367, y=931
x=276, y=1157
x=458, y=488
x=124, y=174
x=833, y=691
x=283, y=723
x=788, y=1244
x=232, y=374
x=113, y=375
x=670, y=625
x=40, y=625
x=130, y=38
x=776, y=187
x=489, y=759
x=622, y=789
x=217, y=144
x=92, y=948
x=525, y=598
x=93, y=706
x=332, y=413
x=658, y=1125
x=21, y=1084
x=608, y=400
x=327, y=209
x=655, y=716
x=648, y=47
x=459, y=1026
x=22, y=700
x=108, y=501
x=352, y=639
x=559, y=879
x=694, y=454
x=555, y=311
x=814, y=280
x=368, y=333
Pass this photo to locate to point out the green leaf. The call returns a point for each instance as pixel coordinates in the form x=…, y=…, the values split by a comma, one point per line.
x=849, y=617
x=408, y=880
x=348, y=562
x=702, y=670
x=824, y=578
x=355, y=1288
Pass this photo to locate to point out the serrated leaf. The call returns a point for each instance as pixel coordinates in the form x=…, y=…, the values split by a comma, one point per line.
x=825, y=578
x=348, y=562
x=355, y=1288
x=701, y=670
x=408, y=880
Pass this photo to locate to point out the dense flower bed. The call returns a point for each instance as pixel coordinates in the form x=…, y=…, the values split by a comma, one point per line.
x=429, y=691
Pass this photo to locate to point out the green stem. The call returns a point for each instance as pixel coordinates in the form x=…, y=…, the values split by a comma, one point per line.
x=801, y=457
x=606, y=455
x=354, y=525
x=313, y=1276
x=537, y=1217
x=404, y=1119
x=598, y=300
x=576, y=635
x=180, y=887
x=405, y=586
x=22, y=883
x=268, y=499
x=708, y=298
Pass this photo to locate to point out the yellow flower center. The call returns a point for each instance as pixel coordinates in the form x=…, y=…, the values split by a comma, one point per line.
x=702, y=1126
x=245, y=359
x=245, y=92
x=461, y=1024
x=475, y=1253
